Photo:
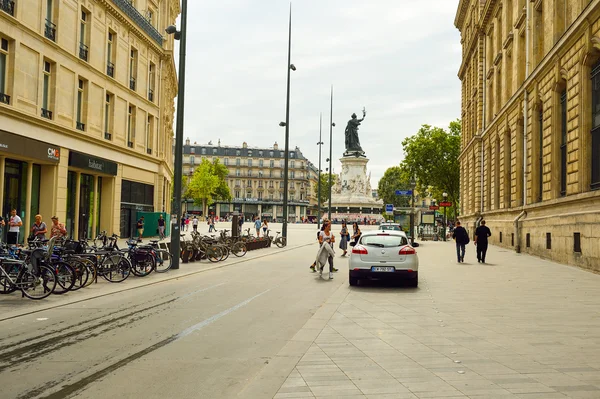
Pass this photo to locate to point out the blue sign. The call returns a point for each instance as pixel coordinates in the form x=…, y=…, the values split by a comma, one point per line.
x=403, y=192
x=389, y=208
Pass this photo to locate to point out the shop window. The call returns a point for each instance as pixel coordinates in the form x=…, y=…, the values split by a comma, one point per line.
x=4, y=97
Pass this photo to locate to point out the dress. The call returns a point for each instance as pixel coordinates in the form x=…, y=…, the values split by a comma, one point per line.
x=344, y=239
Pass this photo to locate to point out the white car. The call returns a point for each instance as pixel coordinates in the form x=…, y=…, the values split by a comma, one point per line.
x=383, y=255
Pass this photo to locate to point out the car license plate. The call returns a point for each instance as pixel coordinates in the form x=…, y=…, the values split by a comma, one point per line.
x=383, y=269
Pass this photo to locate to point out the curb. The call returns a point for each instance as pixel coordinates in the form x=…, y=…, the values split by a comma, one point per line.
x=26, y=313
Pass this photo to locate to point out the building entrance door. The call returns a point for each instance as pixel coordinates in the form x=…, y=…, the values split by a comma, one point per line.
x=86, y=206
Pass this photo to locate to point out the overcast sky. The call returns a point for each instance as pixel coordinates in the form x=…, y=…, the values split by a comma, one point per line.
x=397, y=58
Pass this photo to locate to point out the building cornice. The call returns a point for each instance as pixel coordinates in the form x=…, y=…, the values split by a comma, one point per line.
x=461, y=12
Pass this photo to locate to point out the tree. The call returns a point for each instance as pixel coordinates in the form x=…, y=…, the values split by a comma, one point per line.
x=395, y=178
x=431, y=156
x=208, y=183
x=324, y=183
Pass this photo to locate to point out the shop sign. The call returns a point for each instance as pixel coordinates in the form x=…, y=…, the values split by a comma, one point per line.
x=24, y=146
x=88, y=162
x=266, y=214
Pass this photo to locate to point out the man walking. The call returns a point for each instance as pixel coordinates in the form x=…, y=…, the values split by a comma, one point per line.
x=195, y=224
x=140, y=228
x=481, y=240
x=461, y=237
x=14, y=223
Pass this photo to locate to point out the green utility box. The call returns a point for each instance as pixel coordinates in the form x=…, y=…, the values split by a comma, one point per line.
x=151, y=223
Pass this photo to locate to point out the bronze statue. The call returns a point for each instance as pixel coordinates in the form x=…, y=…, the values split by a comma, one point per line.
x=352, y=142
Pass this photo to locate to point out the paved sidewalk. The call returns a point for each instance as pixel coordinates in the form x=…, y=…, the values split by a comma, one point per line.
x=519, y=327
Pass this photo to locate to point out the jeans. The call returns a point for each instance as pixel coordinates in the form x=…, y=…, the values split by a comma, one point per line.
x=481, y=250
x=460, y=251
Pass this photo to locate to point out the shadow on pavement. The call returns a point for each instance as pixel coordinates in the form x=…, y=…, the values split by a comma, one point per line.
x=374, y=286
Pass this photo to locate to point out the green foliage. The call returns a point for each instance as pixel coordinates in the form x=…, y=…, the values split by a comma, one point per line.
x=208, y=183
x=324, y=183
x=395, y=178
x=431, y=156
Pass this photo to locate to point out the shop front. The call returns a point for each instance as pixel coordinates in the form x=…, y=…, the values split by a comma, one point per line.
x=135, y=196
x=89, y=179
x=29, y=170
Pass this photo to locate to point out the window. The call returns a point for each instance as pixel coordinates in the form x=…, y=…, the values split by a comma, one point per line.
x=226, y=161
x=260, y=153
x=237, y=162
x=237, y=194
x=50, y=27
x=81, y=101
x=193, y=150
x=261, y=163
x=151, y=81
x=133, y=66
x=563, y=143
x=4, y=97
x=84, y=35
x=281, y=173
x=149, y=134
x=237, y=183
x=8, y=6
x=203, y=151
x=111, y=54
x=249, y=162
x=260, y=195
x=214, y=151
x=270, y=184
x=540, y=155
x=249, y=172
x=271, y=163
x=271, y=197
x=192, y=160
x=270, y=173
x=292, y=176
x=108, y=115
x=249, y=183
x=595, y=139
x=131, y=126
x=260, y=173
x=46, y=89
x=291, y=155
x=237, y=152
x=237, y=172
x=538, y=32
x=270, y=153
x=281, y=163
x=249, y=194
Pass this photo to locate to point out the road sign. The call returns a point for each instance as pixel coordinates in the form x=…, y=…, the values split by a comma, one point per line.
x=403, y=192
x=389, y=209
x=445, y=204
x=433, y=207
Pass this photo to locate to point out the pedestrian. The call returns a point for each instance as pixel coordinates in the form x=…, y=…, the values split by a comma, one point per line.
x=461, y=237
x=355, y=234
x=39, y=229
x=58, y=229
x=182, y=222
x=327, y=238
x=14, y=227
x=325, y=223
x=265, y=227
x=481, y=240
x=161, y=227
x=212, y=224
x=2, y=224
x=241, y=222
x=344, y=235
x=195, y=224
x=257, y=225
x=187, y=224
x=140, y=228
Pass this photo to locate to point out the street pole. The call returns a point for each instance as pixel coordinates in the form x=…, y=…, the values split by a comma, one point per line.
x=320, y=144
x=175, y=237
x=287, y=132
x=413, y=185
x=331, y=124
x=445, y=217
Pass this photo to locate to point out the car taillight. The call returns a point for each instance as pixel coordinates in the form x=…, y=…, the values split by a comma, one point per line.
x=360, y=250
x=407, y=250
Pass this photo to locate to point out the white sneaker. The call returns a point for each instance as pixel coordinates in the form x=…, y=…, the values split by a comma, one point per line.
x=330, y=275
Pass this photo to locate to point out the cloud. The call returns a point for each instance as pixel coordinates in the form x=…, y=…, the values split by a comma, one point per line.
x=398, y=58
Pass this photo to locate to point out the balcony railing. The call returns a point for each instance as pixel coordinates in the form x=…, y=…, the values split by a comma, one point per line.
x=138, y=18
x=46, y=113
x=107, y=136
x=81, y=126
x=150, y=95
x=130, y=144
x=8, y=6
x=83, y=51
x=4, y=98
x=50, y=31
x=132, y=83
x=110, y=69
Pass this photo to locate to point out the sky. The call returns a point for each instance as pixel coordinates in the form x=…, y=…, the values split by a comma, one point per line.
x=397, y=58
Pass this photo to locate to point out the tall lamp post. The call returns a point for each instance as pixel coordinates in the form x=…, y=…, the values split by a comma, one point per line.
x=413, y=185
x=286, y=124
x=320, y=144
x=331, y=126
x=181, y=36
x=445, y=195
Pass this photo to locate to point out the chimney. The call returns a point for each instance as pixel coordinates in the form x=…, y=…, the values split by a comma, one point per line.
x=187, y=141
x=245, y=145
x=275, y=146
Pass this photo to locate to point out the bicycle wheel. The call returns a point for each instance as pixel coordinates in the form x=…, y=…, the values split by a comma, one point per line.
x=115, y=268
x=37, y=285
x=81, y=273
x=143, y=264
x=92, y=271
x=213, y=253
x=281, y=242
x=65, y=277
x=163, y=261
x=6, y=285
x=239, y=249
x=224, y=252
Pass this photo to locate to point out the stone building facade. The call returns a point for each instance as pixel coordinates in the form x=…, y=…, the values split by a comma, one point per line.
x=256, y=181
x=86, y=111
x=530, y=160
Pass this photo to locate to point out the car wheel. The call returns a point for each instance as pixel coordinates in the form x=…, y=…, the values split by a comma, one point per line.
x=353, y=281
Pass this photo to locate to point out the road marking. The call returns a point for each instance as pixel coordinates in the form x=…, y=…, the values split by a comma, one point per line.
x=200, y=290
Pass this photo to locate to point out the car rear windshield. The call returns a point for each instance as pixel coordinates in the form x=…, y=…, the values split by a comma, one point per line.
x=395, y=228
x=384, y=241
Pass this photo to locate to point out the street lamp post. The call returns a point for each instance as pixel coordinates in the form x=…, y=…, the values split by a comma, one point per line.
x=413, y=185
x=331, y=126
x=445, y=195
x=320, y=144
x=181, y=36
x=286, y=124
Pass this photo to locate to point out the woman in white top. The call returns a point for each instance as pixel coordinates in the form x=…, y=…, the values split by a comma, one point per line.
x=327, y=236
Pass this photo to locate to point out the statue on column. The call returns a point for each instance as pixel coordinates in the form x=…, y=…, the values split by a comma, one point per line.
x=353, y=147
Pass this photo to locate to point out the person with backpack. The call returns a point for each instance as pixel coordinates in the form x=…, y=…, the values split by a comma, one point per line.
x=461, y=238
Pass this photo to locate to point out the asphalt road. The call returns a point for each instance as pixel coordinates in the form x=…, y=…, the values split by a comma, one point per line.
x=204, y=335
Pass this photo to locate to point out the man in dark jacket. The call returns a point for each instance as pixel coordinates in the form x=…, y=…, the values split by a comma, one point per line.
x=481, y=240
x=461, y=237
